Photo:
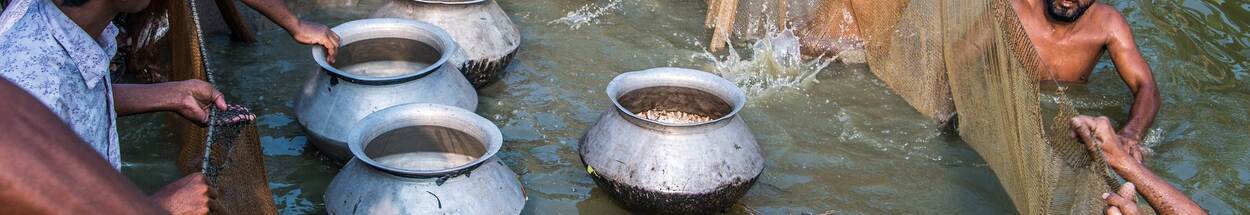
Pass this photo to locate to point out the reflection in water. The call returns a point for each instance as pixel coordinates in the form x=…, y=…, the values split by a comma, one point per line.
x=835, y=138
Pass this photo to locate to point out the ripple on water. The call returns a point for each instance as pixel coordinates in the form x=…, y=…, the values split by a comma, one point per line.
x=836, y=122
x=588, y=14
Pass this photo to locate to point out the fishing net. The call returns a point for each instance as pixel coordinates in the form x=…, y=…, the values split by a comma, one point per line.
x=973, y=56
x=145, y=49
x=904, y=44
x=229, y=154
x=226, y=151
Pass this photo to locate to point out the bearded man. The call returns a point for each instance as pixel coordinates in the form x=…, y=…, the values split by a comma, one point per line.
x=1071, y=35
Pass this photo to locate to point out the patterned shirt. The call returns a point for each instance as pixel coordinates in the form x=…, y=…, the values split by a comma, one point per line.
x=54, y=59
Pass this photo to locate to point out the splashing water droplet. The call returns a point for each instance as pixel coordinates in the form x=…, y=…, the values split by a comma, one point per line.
x=776, y=64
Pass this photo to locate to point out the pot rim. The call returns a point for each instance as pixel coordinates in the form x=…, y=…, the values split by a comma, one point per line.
x=446, y=45
x=675, y=77
x=424, y=114
x=450, y=2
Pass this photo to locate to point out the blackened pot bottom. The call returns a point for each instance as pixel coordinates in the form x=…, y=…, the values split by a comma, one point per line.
x=643, y=201
x=483, y=72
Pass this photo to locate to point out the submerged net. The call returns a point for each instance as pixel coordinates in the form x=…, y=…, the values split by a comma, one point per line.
x=974, y=57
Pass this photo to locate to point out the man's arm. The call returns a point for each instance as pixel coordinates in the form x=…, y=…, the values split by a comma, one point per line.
x=190, y=99
x=48, y=170
x=1164, y=198
x=1137, y=75
x=1099, y=135
x=307, y=33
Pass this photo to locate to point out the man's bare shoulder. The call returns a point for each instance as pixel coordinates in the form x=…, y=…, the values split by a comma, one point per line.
x=1108, y=20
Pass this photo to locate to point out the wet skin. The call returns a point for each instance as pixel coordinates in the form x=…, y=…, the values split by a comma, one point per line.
x=1097, y=134
x=1071, y=35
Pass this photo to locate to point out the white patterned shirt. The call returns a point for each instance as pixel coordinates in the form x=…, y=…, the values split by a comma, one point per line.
x=52, y=58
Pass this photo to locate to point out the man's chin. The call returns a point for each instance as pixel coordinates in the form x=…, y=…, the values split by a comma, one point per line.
x=1064, y=15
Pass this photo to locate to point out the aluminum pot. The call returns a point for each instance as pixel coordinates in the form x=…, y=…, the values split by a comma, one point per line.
x=425, y=159
x=655, y=166
x=383, y=63
x=487, y=36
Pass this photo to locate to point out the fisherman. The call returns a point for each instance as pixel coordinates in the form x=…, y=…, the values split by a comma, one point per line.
x=59, y=51
x=1100, y=137
x=48, y=169
x=1070, y=37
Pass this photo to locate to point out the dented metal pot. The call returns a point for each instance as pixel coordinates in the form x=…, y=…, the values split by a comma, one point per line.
x=383, y=63
x=487, y=36
x=655, y=166
x=425, y=159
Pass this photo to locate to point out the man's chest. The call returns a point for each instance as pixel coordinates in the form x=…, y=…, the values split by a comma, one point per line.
x=1068, y=56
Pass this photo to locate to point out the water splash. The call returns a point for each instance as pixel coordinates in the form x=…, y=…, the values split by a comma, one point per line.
x=776, y=64
x=587, y=14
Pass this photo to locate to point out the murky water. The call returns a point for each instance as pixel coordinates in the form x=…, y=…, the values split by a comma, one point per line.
x=835, y=138
x=426, y=161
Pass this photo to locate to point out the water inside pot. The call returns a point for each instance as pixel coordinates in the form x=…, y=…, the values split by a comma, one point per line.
x=385, y=57
x=675, y=105
x=425, y=148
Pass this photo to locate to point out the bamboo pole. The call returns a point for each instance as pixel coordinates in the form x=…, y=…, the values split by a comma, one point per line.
x=783, y=13
x=710, y=21
x=239, y=30
x=726, y=12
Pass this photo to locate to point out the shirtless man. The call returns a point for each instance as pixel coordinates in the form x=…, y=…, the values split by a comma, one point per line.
x=1070, y=36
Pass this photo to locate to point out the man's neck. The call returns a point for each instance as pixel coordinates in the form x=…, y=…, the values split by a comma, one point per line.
x=92, y=17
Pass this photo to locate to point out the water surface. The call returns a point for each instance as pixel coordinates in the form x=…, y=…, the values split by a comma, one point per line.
x=836, y=139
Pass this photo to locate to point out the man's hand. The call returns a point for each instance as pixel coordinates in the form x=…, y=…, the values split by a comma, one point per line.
x=1099, y=136
x=1134, y=146
x=1123, y=202
x=192, y=99
x=188, y=195
x=310, y=33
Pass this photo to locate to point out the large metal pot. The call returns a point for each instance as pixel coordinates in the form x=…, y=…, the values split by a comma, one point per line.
x=425, y=159
x=487, y=36
x=383, y=63
x=654, y=166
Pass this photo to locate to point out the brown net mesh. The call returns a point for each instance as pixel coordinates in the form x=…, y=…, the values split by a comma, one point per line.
x=973, y=56
x=904, y=42
x=228, y=154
